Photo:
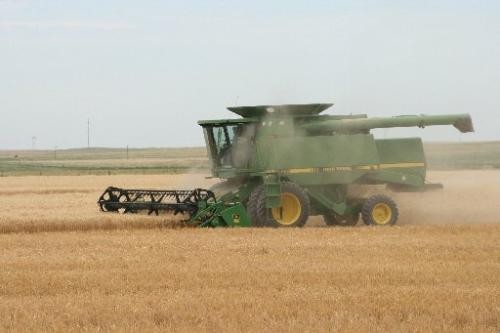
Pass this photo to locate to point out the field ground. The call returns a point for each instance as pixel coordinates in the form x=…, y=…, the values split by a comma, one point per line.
x=439, y=270
x=414, y=278
x=106, y=161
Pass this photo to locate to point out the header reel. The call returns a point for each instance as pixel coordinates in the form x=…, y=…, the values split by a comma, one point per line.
x=200, y=205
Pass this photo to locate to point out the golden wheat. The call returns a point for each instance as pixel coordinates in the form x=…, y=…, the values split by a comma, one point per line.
x=421, y=276
x=69, y=202
x=413, y=278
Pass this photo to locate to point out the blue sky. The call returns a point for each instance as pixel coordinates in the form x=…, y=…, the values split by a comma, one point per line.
x=145, y=71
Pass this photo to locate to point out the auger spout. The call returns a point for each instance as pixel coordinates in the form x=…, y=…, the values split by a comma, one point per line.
x=462, y=122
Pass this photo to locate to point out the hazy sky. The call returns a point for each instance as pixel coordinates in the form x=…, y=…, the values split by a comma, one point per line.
x=145, y=71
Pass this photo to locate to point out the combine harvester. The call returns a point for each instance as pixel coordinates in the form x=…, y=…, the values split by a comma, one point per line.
x=283, y=163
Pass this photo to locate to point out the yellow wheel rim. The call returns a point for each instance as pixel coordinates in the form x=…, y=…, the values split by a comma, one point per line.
x=382, y=213
x=290, y=209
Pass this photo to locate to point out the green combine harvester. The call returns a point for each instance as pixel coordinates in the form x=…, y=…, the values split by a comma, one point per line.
x=281, y=164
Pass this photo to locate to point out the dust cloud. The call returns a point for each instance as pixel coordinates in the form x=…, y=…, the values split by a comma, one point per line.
x=467, y=197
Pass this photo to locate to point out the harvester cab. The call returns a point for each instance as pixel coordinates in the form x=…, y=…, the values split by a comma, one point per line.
x=280, y=164
x=229, y=145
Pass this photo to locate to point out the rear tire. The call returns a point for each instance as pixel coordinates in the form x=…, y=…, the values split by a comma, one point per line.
x=380, y=210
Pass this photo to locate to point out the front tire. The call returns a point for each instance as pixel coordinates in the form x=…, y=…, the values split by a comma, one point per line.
x=253, y=205
x=293, y=212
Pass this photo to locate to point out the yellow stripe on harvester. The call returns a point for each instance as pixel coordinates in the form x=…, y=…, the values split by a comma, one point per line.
x=367, y=167
x=305, y=170
x=353, y=168
x=402, y=165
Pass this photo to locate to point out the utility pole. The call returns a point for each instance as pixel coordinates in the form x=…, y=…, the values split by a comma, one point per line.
x=33, y=142
x=88, y=133
x=127, y=152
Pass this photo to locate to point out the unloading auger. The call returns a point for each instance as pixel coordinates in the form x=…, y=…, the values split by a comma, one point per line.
x=199, y=205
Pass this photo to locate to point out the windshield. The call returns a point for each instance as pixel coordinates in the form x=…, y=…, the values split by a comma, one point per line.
x=228, y=144
x=224, y=138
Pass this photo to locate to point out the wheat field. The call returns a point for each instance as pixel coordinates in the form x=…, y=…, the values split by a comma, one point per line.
x=67, y=267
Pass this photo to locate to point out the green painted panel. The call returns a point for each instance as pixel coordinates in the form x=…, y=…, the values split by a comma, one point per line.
x=236, y=216
x=400, y=150
x=322, y=178
x=322, y=151
x=400, y=153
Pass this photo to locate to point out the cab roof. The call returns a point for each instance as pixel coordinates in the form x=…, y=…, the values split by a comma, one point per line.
x=285, y=109
x=219, y=122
